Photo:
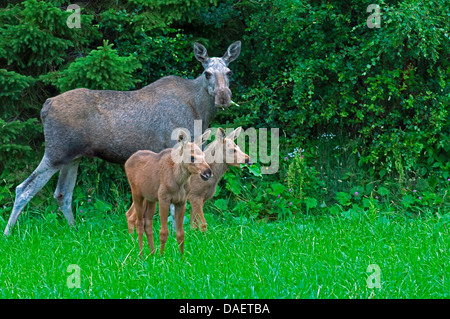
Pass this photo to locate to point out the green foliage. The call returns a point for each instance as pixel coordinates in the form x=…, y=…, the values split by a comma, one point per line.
x=302, y=189
x=13, y=84
x=319, y=68
x=10, y=134
x=31, y=40
x=12, y=143
x=161, y=55
x=35, y=33
x=102, y=69
x=34, y=39
x=132, y=17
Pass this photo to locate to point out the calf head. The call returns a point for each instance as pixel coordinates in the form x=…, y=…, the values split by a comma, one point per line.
x=191, y=156
x=225, y=148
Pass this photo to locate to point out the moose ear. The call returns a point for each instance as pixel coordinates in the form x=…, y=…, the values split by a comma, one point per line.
x=232, y=53
x=203, y=138
x=201, y=53
x=234, y=135
x=220, y=134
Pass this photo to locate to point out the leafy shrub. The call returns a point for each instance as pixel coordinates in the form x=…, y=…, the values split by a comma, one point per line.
x=300, y=189
x=102, y=69
x=161, y=55
x=318, y=68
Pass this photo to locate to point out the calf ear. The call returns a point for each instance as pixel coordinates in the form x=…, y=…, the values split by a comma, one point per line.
x=183, y=136
x=234, y=135
x=203, y=138
x=201, y=54
x=232, y=53
x=220, y=135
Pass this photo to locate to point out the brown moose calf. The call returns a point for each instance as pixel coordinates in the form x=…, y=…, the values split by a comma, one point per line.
x=220, y=155
x=163, y=177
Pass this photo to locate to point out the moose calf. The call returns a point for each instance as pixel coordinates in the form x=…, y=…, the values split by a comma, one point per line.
x=163, y=177
x=220, y=155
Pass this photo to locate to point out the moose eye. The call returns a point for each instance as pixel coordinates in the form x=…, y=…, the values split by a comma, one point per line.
x=229, y=73
x=208, y=74
x=192, y=159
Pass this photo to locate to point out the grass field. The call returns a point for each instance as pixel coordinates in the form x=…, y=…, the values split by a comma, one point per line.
x=313, y=257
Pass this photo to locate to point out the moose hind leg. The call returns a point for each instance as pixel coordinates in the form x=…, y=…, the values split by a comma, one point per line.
x=197, y=216
x=26, y=191
x=131, y=219
x=172, y=213
x=64, y=189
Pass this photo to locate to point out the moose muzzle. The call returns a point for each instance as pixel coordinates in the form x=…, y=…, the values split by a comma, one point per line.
x=222, y=97
x=206, y=174
x=222, y=94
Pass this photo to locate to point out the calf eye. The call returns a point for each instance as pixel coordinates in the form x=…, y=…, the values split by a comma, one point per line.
x=192, y=159
x=208, y=75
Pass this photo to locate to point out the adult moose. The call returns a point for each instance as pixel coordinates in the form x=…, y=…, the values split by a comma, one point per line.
x=113, y=125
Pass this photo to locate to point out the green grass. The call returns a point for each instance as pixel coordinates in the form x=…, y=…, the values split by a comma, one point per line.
x=314, y=257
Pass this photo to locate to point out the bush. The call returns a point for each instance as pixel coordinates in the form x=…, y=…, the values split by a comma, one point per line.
x=319, y=69
x=102, y=69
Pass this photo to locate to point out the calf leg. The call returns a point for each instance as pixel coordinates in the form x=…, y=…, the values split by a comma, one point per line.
x=64, y=189
x=197, y=216
x=149, y=212
x=180, y=210
x=139, y=211
x=26, y=191
x=131, y=219
x=164, y=232
x=193, y=214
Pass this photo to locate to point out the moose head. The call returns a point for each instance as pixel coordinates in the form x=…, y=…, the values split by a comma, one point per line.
x=216, y=76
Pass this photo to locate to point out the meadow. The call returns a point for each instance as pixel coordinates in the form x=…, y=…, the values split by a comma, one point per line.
x=310, y=231
x=309, y=257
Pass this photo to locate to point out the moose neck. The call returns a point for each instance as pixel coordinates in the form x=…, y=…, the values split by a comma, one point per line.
x=181, y=174
x=204, y=103
x=218, y=170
